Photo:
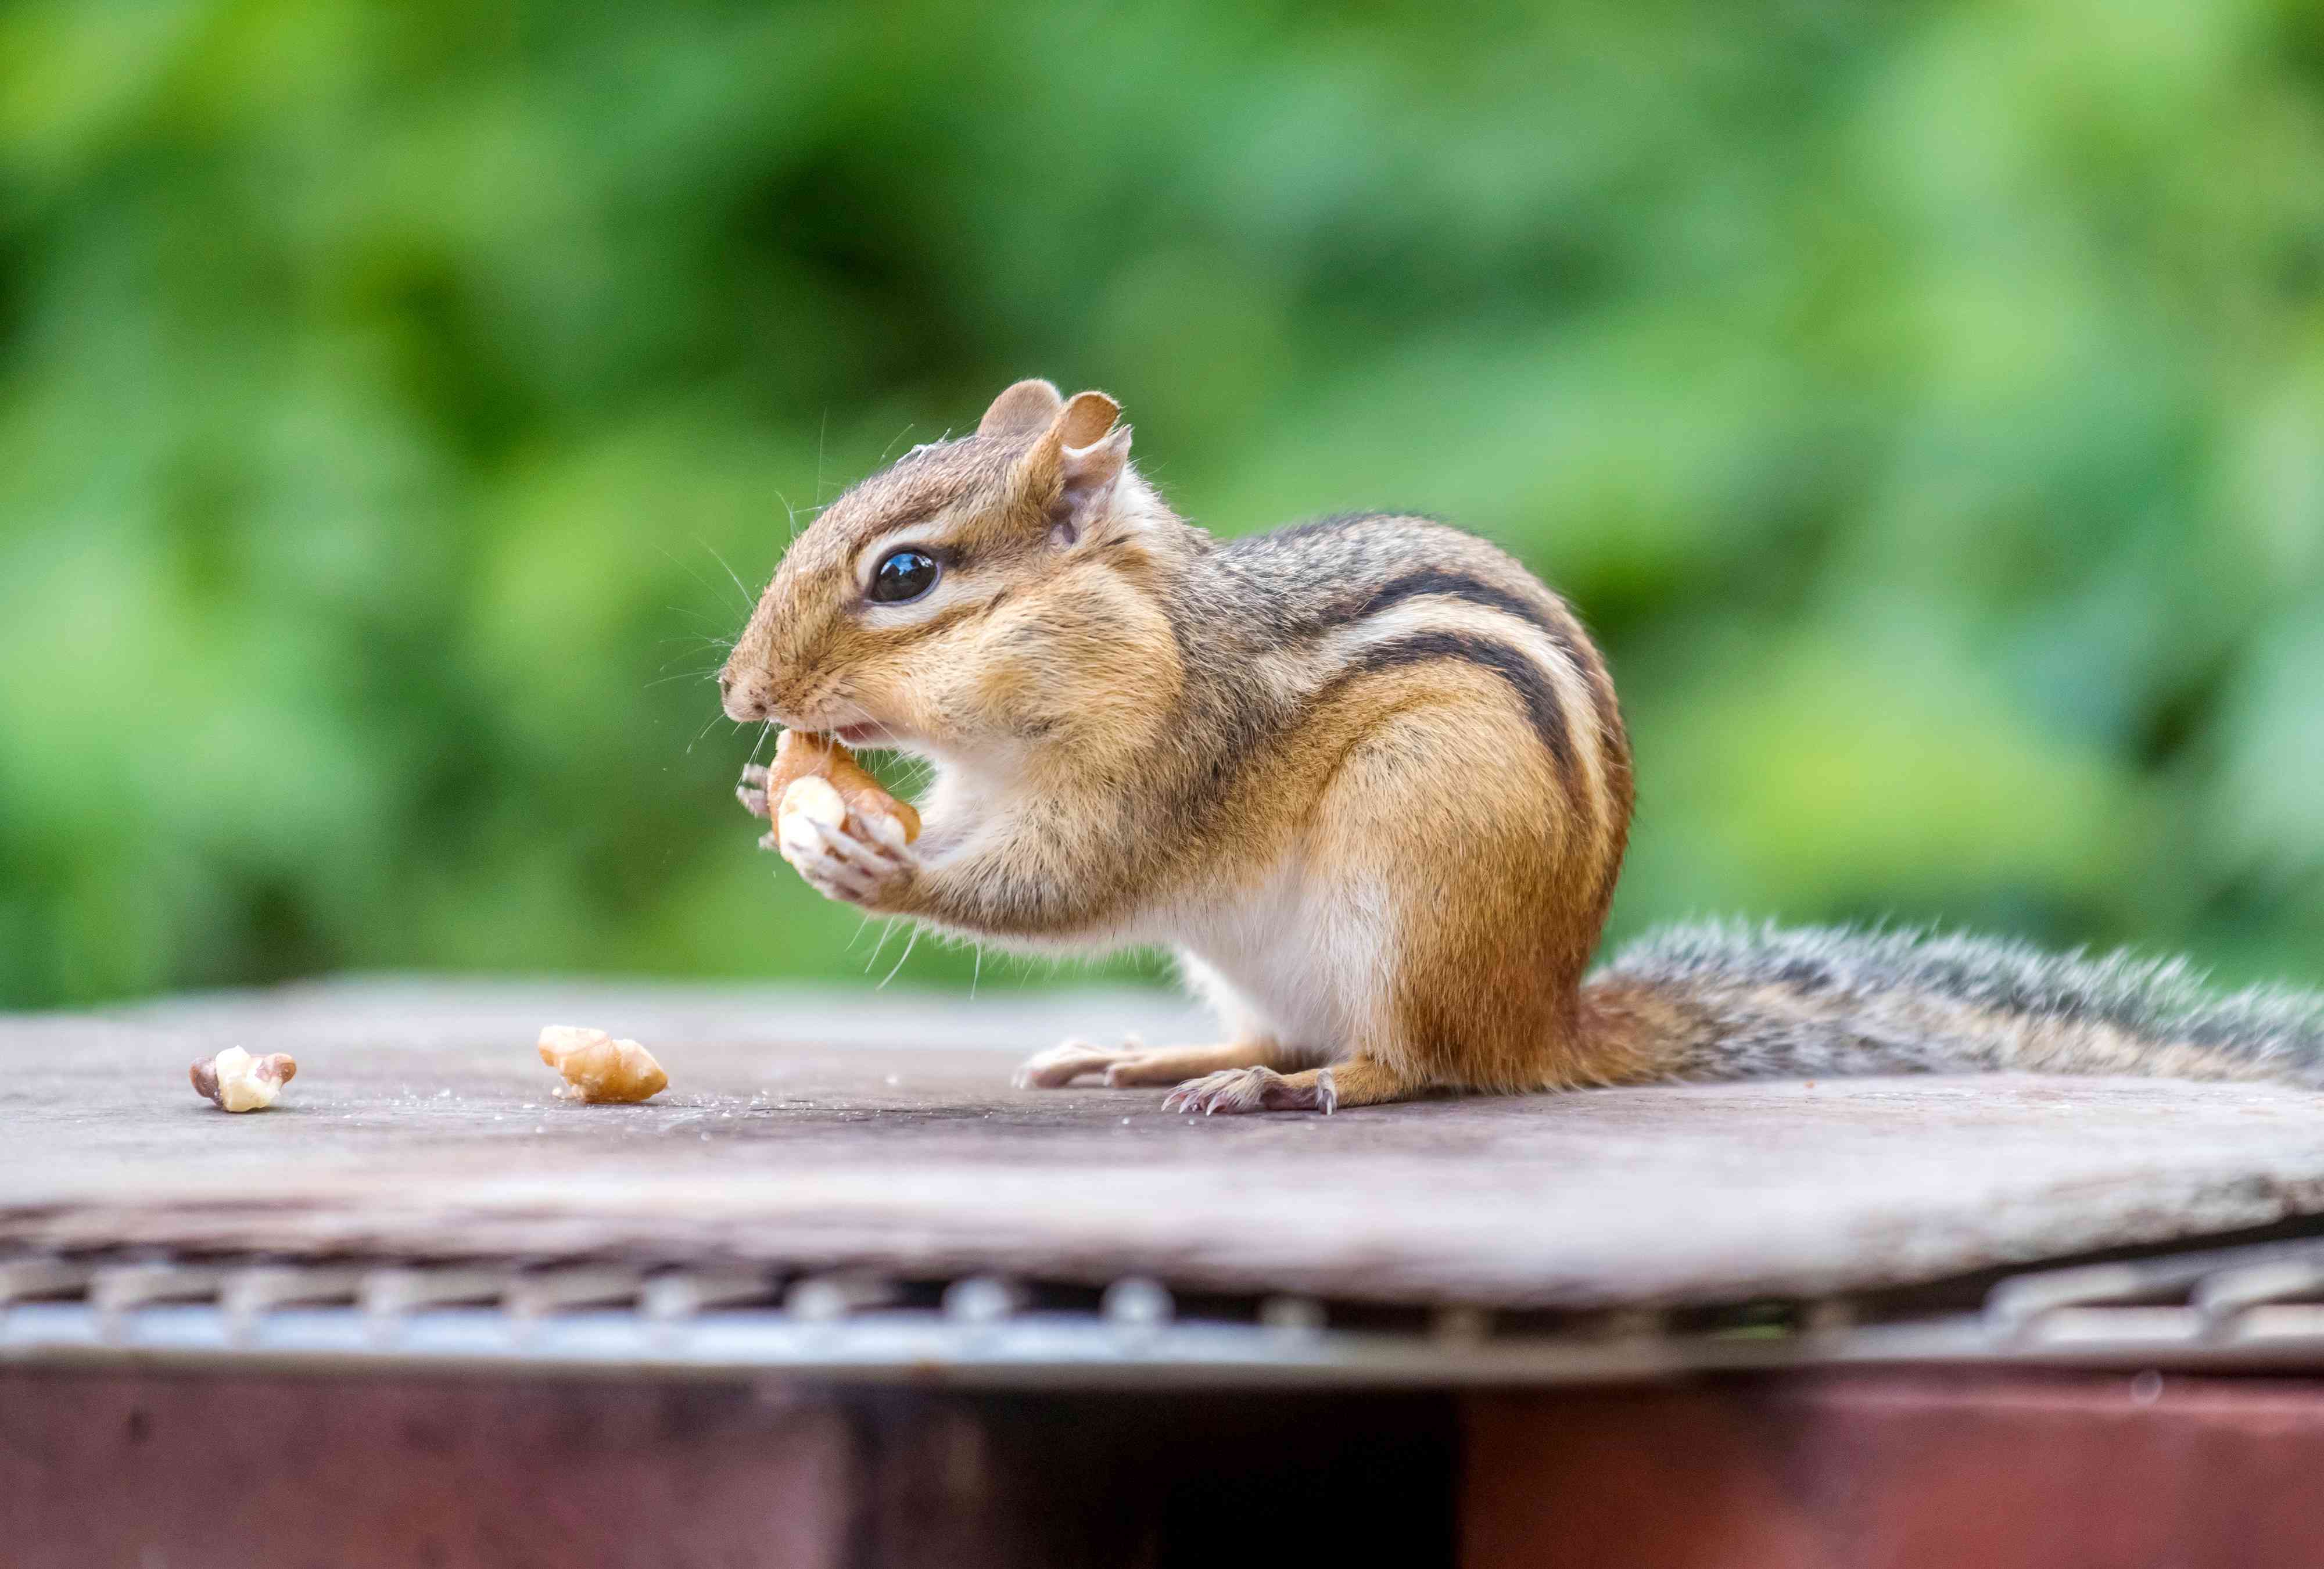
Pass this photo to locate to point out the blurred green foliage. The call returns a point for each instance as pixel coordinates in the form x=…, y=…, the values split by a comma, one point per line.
x=1925, y=401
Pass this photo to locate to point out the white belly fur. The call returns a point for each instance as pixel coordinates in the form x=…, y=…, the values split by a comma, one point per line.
x=1301, y=959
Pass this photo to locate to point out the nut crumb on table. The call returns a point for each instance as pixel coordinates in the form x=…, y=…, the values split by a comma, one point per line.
x=599, y=1069
x=236, y=1081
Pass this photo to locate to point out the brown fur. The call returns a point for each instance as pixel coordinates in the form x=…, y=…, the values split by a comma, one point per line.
x=1367, y=776
x=1143, y=735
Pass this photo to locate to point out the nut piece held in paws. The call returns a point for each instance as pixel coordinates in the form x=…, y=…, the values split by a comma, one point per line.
x=804, y=754
x=815, y=799
x=599, y=1068
x=236, y=1081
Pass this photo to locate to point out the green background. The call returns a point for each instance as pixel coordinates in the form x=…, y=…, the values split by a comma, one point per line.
x=1924, y=402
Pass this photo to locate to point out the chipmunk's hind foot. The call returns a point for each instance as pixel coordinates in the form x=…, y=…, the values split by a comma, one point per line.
x=1358, y=1081
x=1255, y=1089
x=1061, y=1064
x=1133, y=1062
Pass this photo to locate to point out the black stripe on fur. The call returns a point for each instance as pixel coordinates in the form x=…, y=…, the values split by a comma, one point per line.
x=1525, y=677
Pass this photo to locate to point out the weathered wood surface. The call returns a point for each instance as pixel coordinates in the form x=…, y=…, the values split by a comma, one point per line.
x=822, y=1131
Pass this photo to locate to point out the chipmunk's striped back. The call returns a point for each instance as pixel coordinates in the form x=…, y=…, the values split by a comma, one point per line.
x=1359, y=594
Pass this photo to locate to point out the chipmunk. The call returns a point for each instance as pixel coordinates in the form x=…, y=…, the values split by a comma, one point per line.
x=1366, y=776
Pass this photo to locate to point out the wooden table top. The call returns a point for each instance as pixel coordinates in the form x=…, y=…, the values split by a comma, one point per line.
x=818, y=1130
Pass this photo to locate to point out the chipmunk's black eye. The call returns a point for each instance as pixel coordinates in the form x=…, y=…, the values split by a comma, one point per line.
x=903, y=575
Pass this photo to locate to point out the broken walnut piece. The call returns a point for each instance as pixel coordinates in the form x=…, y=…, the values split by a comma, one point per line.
x=598, y=1069
x=804, y=754
x=236, y=1081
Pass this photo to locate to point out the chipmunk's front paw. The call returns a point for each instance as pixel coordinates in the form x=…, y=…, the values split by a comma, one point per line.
x=858, y=858
x=752, y=791
x=1255, y=1089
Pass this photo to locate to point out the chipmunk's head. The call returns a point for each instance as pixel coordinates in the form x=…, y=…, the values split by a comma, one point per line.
x=989, y=593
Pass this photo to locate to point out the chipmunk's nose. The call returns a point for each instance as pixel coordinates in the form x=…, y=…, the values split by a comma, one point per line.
x=747, y=697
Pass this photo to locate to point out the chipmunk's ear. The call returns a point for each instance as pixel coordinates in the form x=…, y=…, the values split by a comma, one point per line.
x=1076, y=461
x=1085, y=419
x=1023, y=409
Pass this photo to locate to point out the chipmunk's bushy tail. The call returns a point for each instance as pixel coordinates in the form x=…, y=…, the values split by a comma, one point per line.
x=1723, y=1002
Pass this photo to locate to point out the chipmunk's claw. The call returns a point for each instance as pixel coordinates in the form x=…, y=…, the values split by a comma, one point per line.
x=752, y=791
x=1254, y=1089
x=841, y=855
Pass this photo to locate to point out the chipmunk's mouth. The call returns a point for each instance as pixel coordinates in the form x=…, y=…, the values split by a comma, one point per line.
x=857, y=736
